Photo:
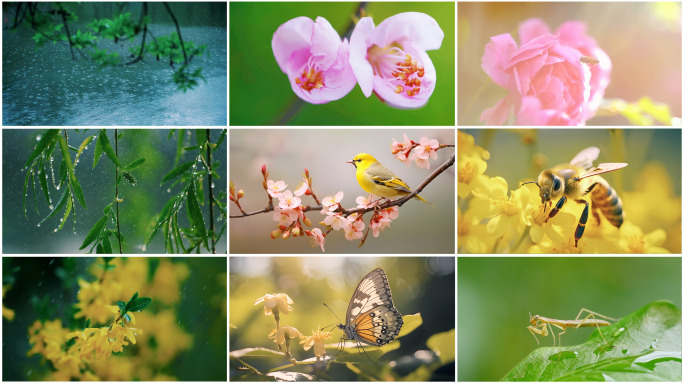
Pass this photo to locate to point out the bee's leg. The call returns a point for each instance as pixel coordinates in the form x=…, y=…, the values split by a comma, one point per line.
x=594, y=209
x=557, y=208
x=582, y=221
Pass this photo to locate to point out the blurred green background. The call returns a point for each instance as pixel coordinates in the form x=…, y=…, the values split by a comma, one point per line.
x=520, y=155
x=419, y=228
x=137, y=212
x=261, y=93
x=646, y=53
x=495, y=296
x=53, y=281
x=419, y=285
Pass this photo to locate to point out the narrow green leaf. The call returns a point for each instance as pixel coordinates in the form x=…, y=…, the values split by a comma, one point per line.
x=33, y=191
x=179, y=146
x=98, y=152
x=196, y=214
x=135, y=164
x=163, y=216
x=99, y=249
x=65, y=154
x=138, y=304
x=129, y=177
x=44, y=142
x=42, y=178
x=78, y=192
x=220, y=139
x=106, y=244
x=135, y=296
x=66, y=214
x=62, y=172
x=188, y=149
x=82, y=146
x=108, y=150
x=95, y=232
x=179, y=170
x=24, y=192
x=201, y=135
x=121, y=305
x=58, y=207
x=177, y=233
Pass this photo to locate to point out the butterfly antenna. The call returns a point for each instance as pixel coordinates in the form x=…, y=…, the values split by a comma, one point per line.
x=338, y=319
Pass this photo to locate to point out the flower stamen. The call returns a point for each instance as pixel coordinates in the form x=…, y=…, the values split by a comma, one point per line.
x=311, y=78
x=395, y=64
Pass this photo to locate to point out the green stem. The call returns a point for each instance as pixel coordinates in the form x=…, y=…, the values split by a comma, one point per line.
x=211, y=195
x=185, y=55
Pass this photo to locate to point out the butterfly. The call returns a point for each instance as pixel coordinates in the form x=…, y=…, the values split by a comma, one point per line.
x=371, y=316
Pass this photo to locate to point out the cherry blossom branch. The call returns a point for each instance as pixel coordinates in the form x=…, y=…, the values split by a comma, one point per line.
x=345, y=212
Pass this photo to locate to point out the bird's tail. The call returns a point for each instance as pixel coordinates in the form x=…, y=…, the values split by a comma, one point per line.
x=423, y=200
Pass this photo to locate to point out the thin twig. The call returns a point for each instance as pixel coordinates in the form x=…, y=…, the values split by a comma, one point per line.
x=116, y=179
x=185, y=55
x=211, y=195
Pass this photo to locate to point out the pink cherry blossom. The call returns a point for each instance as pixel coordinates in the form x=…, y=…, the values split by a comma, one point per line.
x=331, y=203
x=548, y=83
x=275, y=188
x=287, y=200
x=317, y=238
x=314, y=58
x=402, y=150
x=390, y=59
x=354, y=228
x=285, y=217
x=335, y=220
x=425, y=151
x=302, y=188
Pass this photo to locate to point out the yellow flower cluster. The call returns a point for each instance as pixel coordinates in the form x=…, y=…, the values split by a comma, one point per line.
x=494, y=219
x=97, y=353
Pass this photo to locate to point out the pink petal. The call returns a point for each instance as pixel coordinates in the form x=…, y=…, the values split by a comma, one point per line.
x=532, y=28
x=419, y=28
x=294, y=35
x=497, y=114
x=386, y=90
x=324, y=43
x=358, y=48
x=496, y=56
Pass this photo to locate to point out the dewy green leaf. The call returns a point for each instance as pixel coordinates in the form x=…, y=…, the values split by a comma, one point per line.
x=135, y=164
x=642, y=346
x=98, y=152
x=106, y=244
x=196, y=214
x=58, y=207
x=66, y=215
x=44, y=142
x=108, y=150
x=42, y=177
x=179, y=170
x=78, y=192
x=24, y=192
x=95, y=232
x=83, y=145
x=138, y=304
x=130, y=178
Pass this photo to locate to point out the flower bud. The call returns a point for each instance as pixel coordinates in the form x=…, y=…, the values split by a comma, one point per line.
x=286, y=234
x=307, y=222
x=276, y=233
x=240, y=194
x=263, y=170
x=295, y=232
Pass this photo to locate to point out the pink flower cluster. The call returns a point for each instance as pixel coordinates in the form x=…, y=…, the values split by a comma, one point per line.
x=552, y=79
x=410, y=150
x=388, y=60
x=353, y=224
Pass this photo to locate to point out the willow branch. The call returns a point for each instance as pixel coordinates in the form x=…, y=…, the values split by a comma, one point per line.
x=116, y=184
x=388, y=204
x=185, y=55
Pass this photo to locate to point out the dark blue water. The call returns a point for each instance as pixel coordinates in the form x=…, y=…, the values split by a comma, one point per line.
x=47, y=87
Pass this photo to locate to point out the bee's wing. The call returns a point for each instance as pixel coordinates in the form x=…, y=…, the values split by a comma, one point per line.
x=586, y=157
x=602, y=168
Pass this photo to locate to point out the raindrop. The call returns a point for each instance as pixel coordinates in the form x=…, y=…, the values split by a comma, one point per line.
x=39, y=225
x=39, y=137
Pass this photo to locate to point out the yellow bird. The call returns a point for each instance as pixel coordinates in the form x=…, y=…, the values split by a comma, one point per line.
x=377, y=180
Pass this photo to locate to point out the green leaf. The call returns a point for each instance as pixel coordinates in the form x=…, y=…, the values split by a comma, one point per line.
x=108, y=150
x=222, y=136
x=411, y=322
x=196, y=214
x=179, y=170
x=44, y=142
x=66, y=215
x=443, y=345
x=179, y=146
x=83, y=145
x=135, y=296
x=121, y=305
x=138, y=304
x=163, y=217
x=58, y=207
x=129, y=177
x=106, y=244
x=135, y=164
x=645, y=345
x=42, y=177
x=95, y=232
x=98, y=152
x=78, y=192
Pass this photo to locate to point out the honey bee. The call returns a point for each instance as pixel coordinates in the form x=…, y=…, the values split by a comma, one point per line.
x=589, y=60
x=575, y=181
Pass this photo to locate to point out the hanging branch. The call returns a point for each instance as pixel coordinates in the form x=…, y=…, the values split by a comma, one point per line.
x=185, y=55
x=66, y=27
x=143, y=14
x=211, y=195
x=116, y=183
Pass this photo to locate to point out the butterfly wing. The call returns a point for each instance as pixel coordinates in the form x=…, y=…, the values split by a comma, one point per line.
x=371, y=316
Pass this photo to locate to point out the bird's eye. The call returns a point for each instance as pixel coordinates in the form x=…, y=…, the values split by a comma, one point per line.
x=556, y=184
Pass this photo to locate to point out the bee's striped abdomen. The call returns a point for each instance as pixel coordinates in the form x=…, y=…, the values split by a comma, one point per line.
x=604, y=197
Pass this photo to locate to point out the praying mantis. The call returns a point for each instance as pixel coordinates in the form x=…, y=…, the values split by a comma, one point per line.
x=540, y=325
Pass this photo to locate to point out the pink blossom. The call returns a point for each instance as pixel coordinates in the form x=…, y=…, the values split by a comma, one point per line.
x=314, y=58
x=390, y=59
x=363, y=202
x=288, y=201
x=402, y=150
x=425, y=151
x=354, y=228
x=302, y=188
x=285, y=217
x=335, y=220
x=276, y=188
x=547, y=81
x=317, y=238
x=331, y=203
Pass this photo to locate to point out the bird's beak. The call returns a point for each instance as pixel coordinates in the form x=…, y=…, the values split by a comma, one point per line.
x=352, y=163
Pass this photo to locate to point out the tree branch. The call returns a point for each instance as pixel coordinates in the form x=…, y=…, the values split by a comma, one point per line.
x=211, y=195
x=116, y=179
x=388, y=204
x=185, y=55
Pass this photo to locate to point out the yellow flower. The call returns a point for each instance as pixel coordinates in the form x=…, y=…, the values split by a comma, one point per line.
x=278, y=335
x=277, y=302
x=317, y=341
x=471, y=165
x=167, y=279
x=633, y=240
x=473, y=236
x=6, y=312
